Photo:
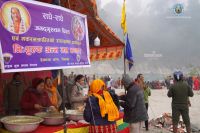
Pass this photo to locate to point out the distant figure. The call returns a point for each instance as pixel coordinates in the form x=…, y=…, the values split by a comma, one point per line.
x=17, y=24
x=190, y=82
x=94, y=77
x=119, y=83
x=196, y=84
x=180, y=92
x=12, y=95
x=71, y=77
x=134, y=106
x=167, y=82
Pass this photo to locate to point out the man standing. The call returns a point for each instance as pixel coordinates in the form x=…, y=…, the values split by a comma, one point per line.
x=12, y=95
x=134, y=107
x=147, y=92
x=180, y=91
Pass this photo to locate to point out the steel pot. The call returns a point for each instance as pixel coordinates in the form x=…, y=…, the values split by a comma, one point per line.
x=74, y=115
x=51, y=118
x=21, y=123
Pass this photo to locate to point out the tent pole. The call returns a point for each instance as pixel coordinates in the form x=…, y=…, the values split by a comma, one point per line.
x=57, y=2
x=63, y=98
x=124, y=41
x=124, y=61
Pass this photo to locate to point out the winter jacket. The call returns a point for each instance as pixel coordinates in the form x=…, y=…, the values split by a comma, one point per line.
x=180, y=92
x=134, y=105
x=32, y=97
x=77, y=98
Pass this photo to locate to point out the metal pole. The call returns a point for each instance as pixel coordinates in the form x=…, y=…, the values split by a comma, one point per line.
x=57, y=2
x=124, y=59
x=63, y=98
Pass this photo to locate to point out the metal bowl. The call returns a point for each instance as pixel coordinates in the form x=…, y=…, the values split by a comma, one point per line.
x=74, y=115
x=21, y=123
x=51, y=118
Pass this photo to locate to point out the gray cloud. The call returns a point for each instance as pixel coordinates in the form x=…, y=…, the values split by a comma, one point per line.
x=151, y=29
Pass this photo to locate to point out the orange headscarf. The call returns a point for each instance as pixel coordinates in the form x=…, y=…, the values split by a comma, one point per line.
x=53, y=91
x=107, y=106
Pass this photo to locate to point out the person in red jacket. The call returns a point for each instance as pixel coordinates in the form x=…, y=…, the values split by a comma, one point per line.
x=196, y=84
x=35, y=99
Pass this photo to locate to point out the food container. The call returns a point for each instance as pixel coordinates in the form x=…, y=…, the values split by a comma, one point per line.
x=51, y=118
x=74, y=115
x=21, y=123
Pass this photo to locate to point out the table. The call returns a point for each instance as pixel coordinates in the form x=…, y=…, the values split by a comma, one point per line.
x=122, y=127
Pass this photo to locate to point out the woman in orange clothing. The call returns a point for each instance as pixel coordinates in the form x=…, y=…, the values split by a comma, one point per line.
x=101, y=110
x=53, y=93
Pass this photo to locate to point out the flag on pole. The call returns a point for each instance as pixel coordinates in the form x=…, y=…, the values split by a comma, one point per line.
x=123, y=18
x=128, y=53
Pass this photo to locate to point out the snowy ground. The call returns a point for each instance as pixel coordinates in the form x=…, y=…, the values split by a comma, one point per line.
x=160, y=103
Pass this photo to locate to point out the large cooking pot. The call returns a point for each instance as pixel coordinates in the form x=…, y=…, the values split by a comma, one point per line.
x=51, y=118
x=74, y=115
x=21, y=123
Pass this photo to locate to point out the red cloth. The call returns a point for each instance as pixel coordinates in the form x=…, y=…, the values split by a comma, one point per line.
x=112, y=128
x=32, y=97
x=77, y=125
x=47, y=129
x=126, y=130
x=196, y=84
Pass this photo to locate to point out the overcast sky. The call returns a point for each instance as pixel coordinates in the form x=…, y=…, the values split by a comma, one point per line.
x=153, y=26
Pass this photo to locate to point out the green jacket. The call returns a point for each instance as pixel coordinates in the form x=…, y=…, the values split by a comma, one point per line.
x=147, y=93
x=180, y=92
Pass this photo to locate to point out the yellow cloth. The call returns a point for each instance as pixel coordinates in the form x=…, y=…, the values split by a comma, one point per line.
x=123, y=18
x=107, y=106
x=53, y=98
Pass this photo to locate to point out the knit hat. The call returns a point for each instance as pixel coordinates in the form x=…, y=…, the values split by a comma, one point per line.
x=126, y=80
x=36, y=82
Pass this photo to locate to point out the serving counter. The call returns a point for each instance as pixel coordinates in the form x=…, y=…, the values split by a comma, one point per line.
x=75, y=127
